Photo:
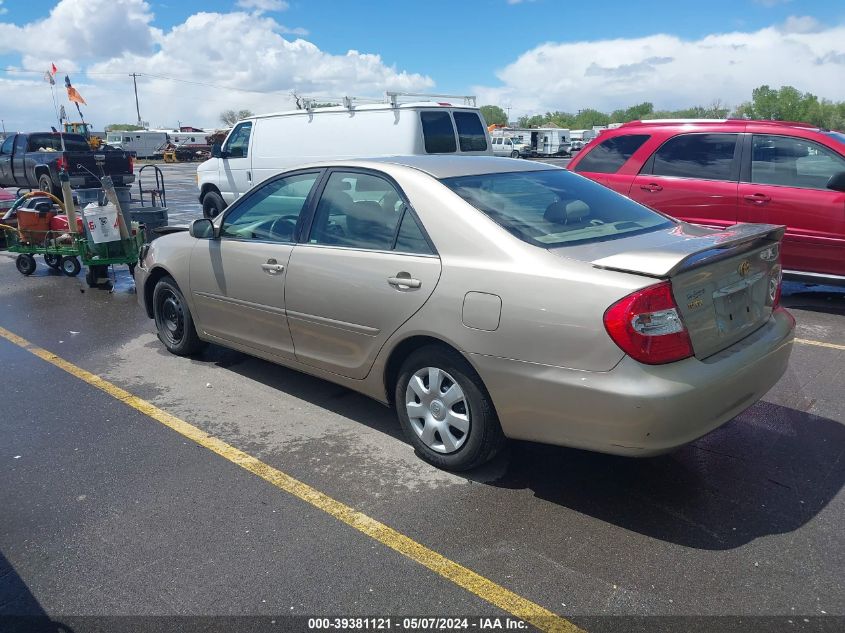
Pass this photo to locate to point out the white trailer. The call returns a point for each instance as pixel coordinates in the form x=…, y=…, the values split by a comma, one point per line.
x=543, y=141
x=144, y=143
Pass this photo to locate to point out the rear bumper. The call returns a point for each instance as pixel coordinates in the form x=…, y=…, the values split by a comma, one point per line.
x=637, y=409
x=78, y=182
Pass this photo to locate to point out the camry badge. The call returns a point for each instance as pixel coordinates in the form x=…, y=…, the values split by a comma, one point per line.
x=744, y=268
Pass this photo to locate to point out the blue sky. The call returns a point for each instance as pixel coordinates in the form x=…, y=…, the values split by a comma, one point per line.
x=453, y=40
x=530, y=54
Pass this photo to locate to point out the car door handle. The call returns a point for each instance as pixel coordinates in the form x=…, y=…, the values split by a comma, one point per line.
x=652, y=186
x=272, y=267
x=404, y=281
x=757, y=198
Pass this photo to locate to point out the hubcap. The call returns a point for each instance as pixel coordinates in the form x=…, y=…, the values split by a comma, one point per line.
x=438, y=410
x=171, y=317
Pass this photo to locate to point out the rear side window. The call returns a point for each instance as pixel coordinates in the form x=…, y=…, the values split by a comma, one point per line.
x=792, y=162
x=609, y=155
x=438, y=132
x=703, y=156
x=470, y=132
x=7, y=145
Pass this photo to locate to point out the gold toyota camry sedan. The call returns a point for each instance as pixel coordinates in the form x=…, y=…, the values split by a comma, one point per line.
x=484, y=298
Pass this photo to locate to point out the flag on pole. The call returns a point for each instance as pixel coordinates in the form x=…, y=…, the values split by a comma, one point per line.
x=62, y=114
x=49, y=78
x=72, y=93
x=53, y=69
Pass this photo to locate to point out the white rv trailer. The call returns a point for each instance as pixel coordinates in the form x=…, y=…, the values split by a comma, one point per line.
x=544, y=141
x=145, y=143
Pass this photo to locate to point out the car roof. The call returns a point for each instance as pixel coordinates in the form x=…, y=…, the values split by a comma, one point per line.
x=441, y=166
x=715, y=123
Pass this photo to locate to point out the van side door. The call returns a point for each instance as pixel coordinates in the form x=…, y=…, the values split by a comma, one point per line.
x=235, y=163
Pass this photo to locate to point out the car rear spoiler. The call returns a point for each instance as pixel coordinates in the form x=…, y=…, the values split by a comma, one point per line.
x=676, y=256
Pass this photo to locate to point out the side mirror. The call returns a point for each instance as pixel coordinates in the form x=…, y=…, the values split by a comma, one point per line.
x=217, y=150
x=202, y=229
x=837, y=182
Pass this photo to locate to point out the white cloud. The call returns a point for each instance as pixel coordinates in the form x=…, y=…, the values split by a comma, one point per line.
x=672, y=72
x=245, y=55
x=264, y=5
x=2, y=8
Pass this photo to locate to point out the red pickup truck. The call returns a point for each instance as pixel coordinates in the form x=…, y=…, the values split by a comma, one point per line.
x=720, y=172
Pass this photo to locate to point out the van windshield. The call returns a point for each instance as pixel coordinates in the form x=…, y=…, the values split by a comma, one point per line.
x=552, y=208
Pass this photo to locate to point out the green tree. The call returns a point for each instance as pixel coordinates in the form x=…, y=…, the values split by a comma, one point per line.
x=122, y=127
x=494, y=115
x=588, y=118
x=230, y=117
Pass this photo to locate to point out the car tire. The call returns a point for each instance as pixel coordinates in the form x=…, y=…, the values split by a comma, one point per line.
x=45, y=183
x=173, y=319
x=457, y=448
x=70, y=266
x=212, y=205
x=25, y=264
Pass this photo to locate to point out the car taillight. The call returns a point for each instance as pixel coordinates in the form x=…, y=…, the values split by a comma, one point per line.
x=61, y=163
x=131, y=164
x=647, y=326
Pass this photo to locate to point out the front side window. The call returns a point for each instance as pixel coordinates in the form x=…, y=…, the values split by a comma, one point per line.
x=792, y=162
x=609, y=155
x=438, y=132
x=552, y=208
x=702, y=156
x=471, y=133
x=357, y=210
x=271, y=212
x=237, y=145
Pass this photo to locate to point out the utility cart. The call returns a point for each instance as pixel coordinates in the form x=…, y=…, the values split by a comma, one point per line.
x=98, y=239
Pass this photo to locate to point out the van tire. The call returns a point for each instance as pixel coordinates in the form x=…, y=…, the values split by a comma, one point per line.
x=514, y=154
x=212, y=205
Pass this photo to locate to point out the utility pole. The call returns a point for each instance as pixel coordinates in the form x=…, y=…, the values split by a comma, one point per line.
x=137, y=107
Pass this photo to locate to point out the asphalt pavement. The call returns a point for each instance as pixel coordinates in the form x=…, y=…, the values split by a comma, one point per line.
x=107, y=512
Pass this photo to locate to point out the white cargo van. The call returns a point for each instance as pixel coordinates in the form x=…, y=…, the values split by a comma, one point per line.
x=264, y=145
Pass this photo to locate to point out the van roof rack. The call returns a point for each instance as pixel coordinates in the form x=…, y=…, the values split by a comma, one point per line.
x=393, y=97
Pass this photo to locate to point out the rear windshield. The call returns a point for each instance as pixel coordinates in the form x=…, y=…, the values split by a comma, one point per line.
x=438, y=132
x=609, y=155
x=53, y=143
x=553, y=208
x=471, y=133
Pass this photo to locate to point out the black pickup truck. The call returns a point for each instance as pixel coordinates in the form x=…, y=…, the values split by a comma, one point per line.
x=35, y=160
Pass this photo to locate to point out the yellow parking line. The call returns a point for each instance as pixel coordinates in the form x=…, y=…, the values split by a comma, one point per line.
x=806, y=341
x=486, y=589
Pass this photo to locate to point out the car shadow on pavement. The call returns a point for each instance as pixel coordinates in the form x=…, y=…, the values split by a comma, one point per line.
x=20, y=611
x=768, y=471
x=827, y=299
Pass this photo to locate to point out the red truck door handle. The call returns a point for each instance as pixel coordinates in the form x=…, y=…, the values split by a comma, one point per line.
x=757, y=198
x=652, y=186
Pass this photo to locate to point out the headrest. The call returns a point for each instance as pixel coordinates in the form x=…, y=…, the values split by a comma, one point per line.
x=570, y=212
x=366, y=211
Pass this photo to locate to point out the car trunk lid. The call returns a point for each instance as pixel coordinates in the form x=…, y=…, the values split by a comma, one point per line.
x=723, y=281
